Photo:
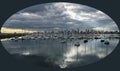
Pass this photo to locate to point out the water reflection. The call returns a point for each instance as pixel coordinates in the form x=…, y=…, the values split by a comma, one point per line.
x=64, y=54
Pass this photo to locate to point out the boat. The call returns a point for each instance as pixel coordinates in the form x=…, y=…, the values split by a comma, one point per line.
x=85, y=41
x=63, y=41
x=102, y=40
x=77, y=44
x=106, y=42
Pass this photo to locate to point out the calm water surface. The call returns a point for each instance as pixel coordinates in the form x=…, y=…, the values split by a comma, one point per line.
x=53, y=53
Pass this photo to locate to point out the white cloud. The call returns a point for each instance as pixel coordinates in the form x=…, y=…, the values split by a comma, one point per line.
x=74, y=15
x=25, y=15
x=109, y=27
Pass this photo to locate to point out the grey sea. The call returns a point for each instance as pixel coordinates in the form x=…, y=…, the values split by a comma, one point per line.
x=59, y=53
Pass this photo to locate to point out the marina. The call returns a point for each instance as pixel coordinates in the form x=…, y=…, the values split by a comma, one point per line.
x=61, y=50
x=60, y=35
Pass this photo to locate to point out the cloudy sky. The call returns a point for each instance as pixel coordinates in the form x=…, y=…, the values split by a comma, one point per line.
x=60, y=15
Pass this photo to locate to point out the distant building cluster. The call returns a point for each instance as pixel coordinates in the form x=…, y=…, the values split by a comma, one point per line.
x=77, y=31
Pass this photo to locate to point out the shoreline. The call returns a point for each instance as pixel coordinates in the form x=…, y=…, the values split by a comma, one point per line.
x=66, y=36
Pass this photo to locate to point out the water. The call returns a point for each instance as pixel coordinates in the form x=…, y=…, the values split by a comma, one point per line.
x=54, y=53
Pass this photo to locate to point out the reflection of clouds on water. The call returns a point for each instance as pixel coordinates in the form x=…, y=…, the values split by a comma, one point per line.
x=62, y=54
x=26, y=53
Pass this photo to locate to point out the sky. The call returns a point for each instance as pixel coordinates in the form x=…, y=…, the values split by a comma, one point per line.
x=60, y=16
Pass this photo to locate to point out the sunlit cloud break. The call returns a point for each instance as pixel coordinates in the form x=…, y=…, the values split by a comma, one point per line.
x=9, y=30
x=61, y=15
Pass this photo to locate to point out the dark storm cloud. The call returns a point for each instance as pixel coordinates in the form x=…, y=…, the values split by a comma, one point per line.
x=59, y=15
x=34, y=9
